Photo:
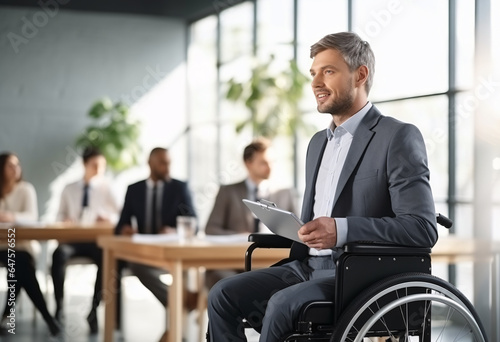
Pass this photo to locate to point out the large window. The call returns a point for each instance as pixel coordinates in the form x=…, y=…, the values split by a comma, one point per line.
x=411, y=58
x=275, y=29
x=203, y=117
x=495, y=39
x=236, y=51
x=425, y=74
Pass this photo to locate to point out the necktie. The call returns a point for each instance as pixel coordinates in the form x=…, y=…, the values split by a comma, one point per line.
x=85, y=201
x=256, y=220
x=154, y=222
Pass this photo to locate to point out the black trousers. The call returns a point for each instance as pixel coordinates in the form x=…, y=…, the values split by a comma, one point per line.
x=26, y=278
x=61, y=255
x=269, y=299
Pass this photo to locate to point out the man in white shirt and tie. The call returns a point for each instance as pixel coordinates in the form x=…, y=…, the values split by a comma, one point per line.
x=87, y=201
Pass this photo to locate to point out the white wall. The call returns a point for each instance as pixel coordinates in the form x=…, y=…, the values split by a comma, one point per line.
x=53, y=66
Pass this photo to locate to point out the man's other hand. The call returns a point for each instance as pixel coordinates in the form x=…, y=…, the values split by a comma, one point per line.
x=320, y=233
x=167, y=230
x=127, y=230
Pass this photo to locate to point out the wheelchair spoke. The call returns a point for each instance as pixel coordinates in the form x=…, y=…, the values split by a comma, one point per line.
x=427, y=309
x=464, y=332
x=446, y=321
x=382, y=320
x=404, y=315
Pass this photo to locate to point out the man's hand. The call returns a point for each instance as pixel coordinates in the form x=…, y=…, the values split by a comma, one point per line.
x=102, y=219
x=127, y=230
x=167, y=230
x=320, y=233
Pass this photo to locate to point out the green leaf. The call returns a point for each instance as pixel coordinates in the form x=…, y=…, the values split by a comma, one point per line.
x=272, y=99
x=241, y=125
x=101, y=107
x=234, y=92
x=122, y=109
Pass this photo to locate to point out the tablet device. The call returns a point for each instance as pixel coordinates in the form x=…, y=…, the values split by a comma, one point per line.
x=279, y=221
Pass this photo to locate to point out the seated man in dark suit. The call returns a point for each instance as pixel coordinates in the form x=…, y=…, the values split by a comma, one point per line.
x=155, y=204
x=231, y=216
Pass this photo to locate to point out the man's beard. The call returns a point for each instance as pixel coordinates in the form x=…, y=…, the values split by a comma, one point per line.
x=340, y=105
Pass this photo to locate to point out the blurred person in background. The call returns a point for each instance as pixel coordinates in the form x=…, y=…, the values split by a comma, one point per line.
x=89, y=200
x=231, y=216
x=18, y=202
x=151, y=207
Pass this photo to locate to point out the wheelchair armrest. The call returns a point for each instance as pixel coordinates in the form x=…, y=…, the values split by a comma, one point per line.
x=372, y=247
x=264, y=241
x=269, y=241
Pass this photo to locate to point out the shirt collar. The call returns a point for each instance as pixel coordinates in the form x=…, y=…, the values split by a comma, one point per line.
x=92, y=182
x=251, y=186
x=150, y=183
x=351, y=124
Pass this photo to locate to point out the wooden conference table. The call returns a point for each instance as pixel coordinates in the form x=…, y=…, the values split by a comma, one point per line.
x=60, y=231
x=177, y=256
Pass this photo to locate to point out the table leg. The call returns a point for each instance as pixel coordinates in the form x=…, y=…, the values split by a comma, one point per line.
x=109, y=275
x=175, y=301
x=495, y=310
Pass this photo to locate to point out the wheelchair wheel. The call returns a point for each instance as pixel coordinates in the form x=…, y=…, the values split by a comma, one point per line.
x=410, y=307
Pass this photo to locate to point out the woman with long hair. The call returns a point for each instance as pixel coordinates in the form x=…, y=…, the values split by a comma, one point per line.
x=18, y=203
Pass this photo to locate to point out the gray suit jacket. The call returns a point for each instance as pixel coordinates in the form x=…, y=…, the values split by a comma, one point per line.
x=383, y=189
x=230, y=215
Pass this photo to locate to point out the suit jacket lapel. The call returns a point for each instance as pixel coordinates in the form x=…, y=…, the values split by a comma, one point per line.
x=242, y=190
x=360, y=141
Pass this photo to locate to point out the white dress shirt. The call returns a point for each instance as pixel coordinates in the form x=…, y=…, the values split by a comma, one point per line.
x=263, y=190
x=21, y=202
x=332, y=163
x=101, y=201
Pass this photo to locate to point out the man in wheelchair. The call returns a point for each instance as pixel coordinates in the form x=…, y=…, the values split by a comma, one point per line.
x=366, y=180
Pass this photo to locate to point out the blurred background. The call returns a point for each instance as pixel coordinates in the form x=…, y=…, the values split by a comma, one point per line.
x=172, y=65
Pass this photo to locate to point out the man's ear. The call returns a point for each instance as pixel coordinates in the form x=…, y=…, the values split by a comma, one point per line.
x=362, y=75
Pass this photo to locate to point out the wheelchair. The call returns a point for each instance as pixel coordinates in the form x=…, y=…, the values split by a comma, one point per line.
x=383, y=293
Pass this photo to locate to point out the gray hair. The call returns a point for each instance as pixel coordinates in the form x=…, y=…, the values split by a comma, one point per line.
x=356, y=52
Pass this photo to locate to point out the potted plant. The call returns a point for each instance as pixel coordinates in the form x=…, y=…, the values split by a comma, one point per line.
x=113, y=132
x=272, y=99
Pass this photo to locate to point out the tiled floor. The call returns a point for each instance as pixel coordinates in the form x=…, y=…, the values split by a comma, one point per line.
x=144, y=319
